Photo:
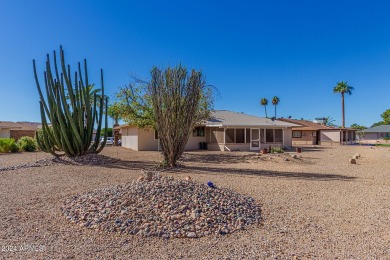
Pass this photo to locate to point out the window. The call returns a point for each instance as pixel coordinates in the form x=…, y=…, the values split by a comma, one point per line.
x=240, y=135
x=278, y=135
x=229, y=136
x=155, y=135
x=198, y=131
x=297, y=134
x=269, y=135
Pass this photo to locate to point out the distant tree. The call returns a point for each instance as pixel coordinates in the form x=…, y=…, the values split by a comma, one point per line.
x=114, y=112
x=134, y=105
x=359, y=127
x=109, y=131
x=275, y=102
x=264, y=102
x=378, y=124
x=329, y=121
x=360, y=134
x=343, y=88
x=386, y=117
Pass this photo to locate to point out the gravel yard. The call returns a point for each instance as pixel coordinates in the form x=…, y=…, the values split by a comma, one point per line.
x=319, y=206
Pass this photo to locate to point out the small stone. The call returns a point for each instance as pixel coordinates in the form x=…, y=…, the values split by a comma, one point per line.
x=352, y=161
x=141, y=178
x=191, y=235
x=188, y=178
x=224, y=231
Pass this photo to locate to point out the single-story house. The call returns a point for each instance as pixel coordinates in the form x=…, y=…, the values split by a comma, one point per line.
x=376, y=134
x=313, y=133
x=18, y=129
x=224, y=131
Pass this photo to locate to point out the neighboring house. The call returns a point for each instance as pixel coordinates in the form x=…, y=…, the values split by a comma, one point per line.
x=18, y=129
x=376, y=134
x=225, y=130
x=317, y=134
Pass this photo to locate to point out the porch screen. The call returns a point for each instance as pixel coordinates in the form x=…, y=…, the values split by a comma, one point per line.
x=229, y=138
x=278, y=135
x=216, y=135
x=269, y=135
x=240, y=135
x=248, y=135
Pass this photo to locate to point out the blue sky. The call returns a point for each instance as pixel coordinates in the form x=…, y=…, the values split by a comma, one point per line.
x=296, y=50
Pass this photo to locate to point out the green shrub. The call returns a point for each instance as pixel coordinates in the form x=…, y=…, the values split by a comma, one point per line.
x=276, y=150
x=8, y=145
x=27, y=144
x=386, y=138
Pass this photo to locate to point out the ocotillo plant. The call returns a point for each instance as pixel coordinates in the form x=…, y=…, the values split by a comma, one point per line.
x=68, y=114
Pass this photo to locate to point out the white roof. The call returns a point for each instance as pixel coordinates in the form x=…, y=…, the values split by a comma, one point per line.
x=226, y=118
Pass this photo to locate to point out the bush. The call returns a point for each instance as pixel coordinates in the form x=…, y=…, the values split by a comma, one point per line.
x=276, y=150
x=27, y=144
x=386, y=138
x=8, y=145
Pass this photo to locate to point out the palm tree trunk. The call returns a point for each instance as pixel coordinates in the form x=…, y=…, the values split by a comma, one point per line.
x=275, y=111
x=342, y=109
x=265, y=111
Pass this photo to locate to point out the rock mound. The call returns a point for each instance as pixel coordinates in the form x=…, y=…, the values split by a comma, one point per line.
x=163, y=207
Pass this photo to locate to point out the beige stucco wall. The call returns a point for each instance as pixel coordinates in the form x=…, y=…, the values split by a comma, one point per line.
x=330, y=136
x=287, y=136
x=146, y=141
x=193, y=142
x=307, y=137
x=4, y=133
x=130, y=138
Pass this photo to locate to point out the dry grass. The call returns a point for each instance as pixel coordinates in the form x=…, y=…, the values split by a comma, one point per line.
x=317, y=207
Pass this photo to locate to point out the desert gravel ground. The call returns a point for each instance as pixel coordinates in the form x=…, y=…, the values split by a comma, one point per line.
x=317, y=207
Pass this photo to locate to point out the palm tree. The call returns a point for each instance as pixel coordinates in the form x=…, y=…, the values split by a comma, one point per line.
x=275, y=102
x=343, y=87
x=91, y=90
x=264, y=102
x=329, y=121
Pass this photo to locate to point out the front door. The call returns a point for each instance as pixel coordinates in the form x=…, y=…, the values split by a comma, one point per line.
x=255, y=139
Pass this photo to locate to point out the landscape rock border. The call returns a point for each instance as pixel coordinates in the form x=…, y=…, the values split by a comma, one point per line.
x=87, y=159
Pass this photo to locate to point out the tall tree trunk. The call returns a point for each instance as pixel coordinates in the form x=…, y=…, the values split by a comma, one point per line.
x=342, y=109
x=265, y=111
x=275, y=111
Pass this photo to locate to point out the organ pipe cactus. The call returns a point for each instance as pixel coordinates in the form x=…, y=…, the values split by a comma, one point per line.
x=67, y=112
